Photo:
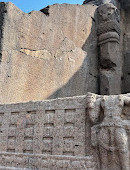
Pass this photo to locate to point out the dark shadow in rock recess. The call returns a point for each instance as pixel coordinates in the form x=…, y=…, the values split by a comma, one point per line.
x=73, y=85
x=90, y=63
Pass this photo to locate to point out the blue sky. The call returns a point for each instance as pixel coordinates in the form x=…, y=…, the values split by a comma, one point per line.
x=29, y=5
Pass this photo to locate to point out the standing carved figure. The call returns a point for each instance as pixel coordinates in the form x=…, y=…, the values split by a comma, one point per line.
x=110, y=135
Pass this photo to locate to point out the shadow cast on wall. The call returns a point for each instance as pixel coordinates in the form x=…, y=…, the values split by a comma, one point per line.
x=74, y=87
x=86, y=78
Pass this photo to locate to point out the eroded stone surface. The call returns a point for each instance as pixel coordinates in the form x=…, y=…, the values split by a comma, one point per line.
x=70, y=127
x=28, y=162
x=55, y=127
x=51, y=127
x=110, y=133
x=126, y=51
x=57, y=56
x=48, y=55
x=110, y=57
x=123, y=48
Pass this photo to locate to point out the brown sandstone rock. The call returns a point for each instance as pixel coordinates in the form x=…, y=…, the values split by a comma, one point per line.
x=47, y=54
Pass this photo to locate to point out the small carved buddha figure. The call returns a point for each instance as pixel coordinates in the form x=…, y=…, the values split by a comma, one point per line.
x=111, y=135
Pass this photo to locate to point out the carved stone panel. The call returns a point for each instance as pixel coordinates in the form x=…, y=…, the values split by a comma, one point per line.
x=110, y=60
x=54, y=127
x=28, y=162
x=110, y=134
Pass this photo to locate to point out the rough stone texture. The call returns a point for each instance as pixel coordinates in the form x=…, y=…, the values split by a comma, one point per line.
x=66, y=127
x=100, y=2
x=125, y=4
x=49, y=53
x=126, y=50
x=38, y=162
x=54, y=127
x=51, y=127
x=127, y=72
x=110, y=58
x=110, y=134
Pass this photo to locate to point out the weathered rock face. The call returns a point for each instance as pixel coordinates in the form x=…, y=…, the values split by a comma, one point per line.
x=126, y=50
x=46, y=135
x=110, y=56
x=83, y=132
x=100, y=2
x=125, y=4
x=53, y=53
x=47, y=54
x=110, y=130
x=113, y=40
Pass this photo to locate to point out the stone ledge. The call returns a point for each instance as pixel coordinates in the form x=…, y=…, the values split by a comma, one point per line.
x=17, y=161
x=59, y=103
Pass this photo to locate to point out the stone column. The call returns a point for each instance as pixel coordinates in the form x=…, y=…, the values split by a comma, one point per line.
x=108, y=32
